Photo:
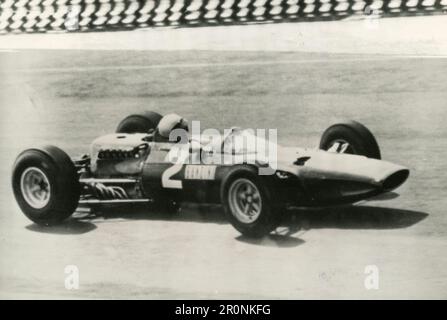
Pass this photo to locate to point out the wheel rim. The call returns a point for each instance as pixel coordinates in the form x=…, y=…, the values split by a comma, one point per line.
x=341, y=146
x=35, y=187
x=245, y=200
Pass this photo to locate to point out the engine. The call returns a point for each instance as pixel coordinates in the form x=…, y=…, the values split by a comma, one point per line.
x=118, y=155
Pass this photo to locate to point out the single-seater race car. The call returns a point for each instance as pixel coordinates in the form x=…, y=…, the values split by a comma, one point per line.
x=142, y=163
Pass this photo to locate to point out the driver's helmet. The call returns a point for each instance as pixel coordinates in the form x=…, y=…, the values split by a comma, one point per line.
x=171, y=122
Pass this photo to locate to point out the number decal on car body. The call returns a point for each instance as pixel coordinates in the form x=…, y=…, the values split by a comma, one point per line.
x=167, y=182
x=177, y=155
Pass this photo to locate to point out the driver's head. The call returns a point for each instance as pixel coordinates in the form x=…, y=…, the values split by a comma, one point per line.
x=171, y=122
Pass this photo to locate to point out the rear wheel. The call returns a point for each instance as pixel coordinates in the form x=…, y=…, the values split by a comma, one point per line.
x=248, y=204
x=350, y=137
x=45, y=185
x=139, y=123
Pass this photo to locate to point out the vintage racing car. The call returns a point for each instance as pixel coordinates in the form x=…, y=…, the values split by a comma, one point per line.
x=139, y=163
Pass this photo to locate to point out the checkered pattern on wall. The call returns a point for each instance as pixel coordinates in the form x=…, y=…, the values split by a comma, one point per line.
x=86, y=15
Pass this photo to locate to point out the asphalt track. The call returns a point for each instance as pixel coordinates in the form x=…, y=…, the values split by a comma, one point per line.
x=68, y=97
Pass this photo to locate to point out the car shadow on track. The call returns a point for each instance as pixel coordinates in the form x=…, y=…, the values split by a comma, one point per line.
x=352, y=217
x=71, y=226
x=273, y=240
x=341, y=217
x=295, y=220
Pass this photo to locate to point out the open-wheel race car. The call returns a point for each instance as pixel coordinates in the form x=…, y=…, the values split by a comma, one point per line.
x=142, y=163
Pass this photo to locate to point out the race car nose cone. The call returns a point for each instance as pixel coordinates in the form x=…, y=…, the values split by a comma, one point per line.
x=395, y=179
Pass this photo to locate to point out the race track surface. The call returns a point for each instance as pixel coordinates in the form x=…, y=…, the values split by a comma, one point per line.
x=69, y=97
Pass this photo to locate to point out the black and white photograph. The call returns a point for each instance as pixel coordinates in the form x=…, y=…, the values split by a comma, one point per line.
x=224, y=150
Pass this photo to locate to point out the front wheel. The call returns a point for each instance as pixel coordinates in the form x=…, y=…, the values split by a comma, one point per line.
x=248, y=203
x=350, y=137
x=45, y=185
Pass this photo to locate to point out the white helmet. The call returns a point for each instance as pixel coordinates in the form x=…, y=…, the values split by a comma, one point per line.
x=170, y=122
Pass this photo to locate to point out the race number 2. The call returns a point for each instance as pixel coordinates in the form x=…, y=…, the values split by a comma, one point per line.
x=167, y=182
x=177, y=156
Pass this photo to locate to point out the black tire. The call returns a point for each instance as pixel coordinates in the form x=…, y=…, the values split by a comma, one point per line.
x=269, y=215
x=361, y=141
x=139, y=123
x=59, y=179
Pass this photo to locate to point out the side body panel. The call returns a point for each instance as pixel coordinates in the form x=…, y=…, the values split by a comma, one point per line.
x=303, y=177
x=187, y=178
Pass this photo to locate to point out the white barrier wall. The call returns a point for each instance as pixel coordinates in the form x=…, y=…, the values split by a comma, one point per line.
x=85, y=15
